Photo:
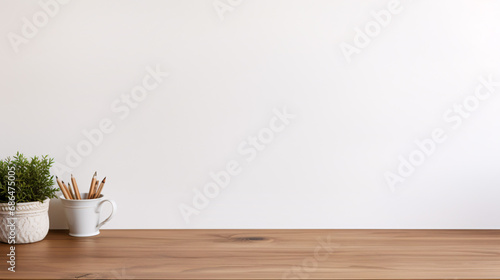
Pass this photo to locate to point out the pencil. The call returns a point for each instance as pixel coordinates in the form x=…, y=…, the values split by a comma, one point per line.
x=66, y=195
x=100, y=188
x=95, y=189
x=75, y=187
x=71, y=191
x=92, y=183
x=67, y=190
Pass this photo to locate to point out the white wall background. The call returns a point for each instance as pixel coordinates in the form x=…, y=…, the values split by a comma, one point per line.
x=325, y=170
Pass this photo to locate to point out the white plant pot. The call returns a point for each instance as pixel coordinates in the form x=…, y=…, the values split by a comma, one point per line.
x=32, y=222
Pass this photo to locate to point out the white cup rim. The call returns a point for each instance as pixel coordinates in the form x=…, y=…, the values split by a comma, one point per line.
x=101, y=196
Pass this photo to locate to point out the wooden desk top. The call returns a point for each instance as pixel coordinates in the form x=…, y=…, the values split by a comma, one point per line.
x=261, y=254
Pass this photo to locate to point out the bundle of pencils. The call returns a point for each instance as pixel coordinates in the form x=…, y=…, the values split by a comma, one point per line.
x=72, y=192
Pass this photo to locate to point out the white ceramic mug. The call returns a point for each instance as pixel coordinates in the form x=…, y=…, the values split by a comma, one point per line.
x=83, y=215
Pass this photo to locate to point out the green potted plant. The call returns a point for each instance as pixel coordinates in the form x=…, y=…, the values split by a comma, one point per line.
x=26, y=187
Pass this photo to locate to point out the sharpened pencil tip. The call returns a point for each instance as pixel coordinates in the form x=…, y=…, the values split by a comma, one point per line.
x=95, y=174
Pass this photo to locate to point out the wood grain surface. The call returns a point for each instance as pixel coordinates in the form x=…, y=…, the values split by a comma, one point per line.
x=261, y=254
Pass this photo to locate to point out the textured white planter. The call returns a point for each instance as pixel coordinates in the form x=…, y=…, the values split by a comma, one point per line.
x=32, y=222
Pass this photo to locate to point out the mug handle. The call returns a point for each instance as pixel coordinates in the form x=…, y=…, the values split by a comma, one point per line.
x=113, y=210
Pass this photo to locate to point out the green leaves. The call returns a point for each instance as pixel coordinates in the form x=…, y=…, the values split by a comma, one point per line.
x=32, y=178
